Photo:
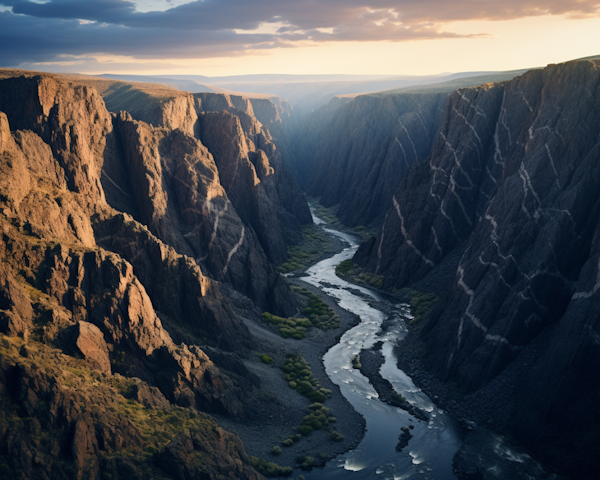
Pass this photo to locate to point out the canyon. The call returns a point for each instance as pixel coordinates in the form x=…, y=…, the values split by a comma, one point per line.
x=142, y=228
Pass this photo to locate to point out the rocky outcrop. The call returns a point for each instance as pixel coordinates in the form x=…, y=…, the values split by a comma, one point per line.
x=176, y=190
x=88, y=341
x=190, y=455
x=504, y=217
x=58, y=422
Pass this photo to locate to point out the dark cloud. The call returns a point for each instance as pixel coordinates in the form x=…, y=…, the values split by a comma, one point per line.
x=39, y=32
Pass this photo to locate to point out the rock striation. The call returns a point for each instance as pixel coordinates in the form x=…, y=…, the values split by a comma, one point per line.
x=368, y=147
x=504, y=218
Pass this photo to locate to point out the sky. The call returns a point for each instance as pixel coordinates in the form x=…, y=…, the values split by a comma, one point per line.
x=240, y=37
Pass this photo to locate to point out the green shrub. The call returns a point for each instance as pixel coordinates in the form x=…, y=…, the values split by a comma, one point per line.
x=276, y=450
x=336, y=436
x=342, y=269
x=305, y=429
x=288, y=442
x=266, y=359
x=299, y=377
x=269, y=469
x=289, y=327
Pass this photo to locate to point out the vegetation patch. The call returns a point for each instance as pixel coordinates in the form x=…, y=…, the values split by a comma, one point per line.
x=300, y=377
x=356, y=363
x=320, y=315
x=269, y=469
x=326, y=214
x=318, y=418
x=351, y=272
x=420, y=303
x=266, y=359
x=289, y=327
x=315, y=243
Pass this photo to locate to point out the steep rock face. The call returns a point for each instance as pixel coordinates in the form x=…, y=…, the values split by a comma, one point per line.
x=306, y=140
x=78, y=313
x=184, y=293
x=369, y=146
x=128, y=321
x=506, y=211
x=72, y=120
x=175, y=188
x=262, y=191
x=227, y=205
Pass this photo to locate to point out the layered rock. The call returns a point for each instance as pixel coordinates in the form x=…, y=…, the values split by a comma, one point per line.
x=504, y=216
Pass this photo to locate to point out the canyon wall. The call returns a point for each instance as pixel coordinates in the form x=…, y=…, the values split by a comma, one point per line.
x=118, y=236
x=502, y=221
x=353, y=152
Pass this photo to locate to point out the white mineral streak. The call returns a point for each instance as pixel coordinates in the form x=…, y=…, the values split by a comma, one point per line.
x=113, y=182
x=525, y=100
x=409, y=139
x=552, y=163
x=216, y=224
x=477, y=109
x=403, y=152
x=472, y=127
x=594, y=290
x=424, y=127
x=405, y=234
x=457, y=161
x=475, y=320
x=436, y=241
x=380, y=244
x=234, y=249
x=449, y=218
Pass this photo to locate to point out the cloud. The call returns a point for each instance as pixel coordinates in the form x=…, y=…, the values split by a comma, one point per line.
x=36, y=32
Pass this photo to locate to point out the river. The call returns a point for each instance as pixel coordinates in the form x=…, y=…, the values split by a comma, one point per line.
x=434, y=443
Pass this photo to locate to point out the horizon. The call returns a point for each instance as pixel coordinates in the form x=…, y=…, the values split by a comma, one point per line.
x=233, y=38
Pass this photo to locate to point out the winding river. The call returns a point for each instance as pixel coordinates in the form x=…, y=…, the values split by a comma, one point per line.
x=434, y=443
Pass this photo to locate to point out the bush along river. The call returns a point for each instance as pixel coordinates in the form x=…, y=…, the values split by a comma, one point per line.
x=433, y=437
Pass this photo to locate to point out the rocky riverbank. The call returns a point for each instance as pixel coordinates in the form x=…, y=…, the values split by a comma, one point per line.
x=370, y=364
x=276, y=411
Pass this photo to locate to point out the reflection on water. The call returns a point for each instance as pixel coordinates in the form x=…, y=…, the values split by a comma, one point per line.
x=430, y=451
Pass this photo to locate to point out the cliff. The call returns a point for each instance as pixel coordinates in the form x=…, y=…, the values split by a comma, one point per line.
x=369, y=146
x=502, y=221
x=239, y=187
x=115, y=237
x=353, y=152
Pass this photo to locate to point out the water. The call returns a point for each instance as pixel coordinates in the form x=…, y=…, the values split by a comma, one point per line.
x=434, y=443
